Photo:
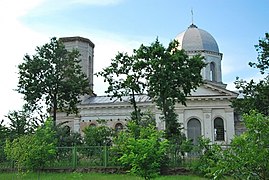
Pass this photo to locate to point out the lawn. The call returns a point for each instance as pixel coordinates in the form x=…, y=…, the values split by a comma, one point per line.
x=84, y=176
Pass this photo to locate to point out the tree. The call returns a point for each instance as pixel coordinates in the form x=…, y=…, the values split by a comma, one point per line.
x=54, y=77
x=248, y=154
x=98, y=136
x=171, y=76
x=65, y=137
x=125, y=78
x=4, y=134
x=22, y=123
x=142, y=155
x=167, y=74
x=255, y=94
x=33, y=151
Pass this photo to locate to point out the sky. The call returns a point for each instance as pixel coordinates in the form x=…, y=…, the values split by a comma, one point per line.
x=121, y=26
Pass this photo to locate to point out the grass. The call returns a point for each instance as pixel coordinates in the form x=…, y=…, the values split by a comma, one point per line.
x=84, y=176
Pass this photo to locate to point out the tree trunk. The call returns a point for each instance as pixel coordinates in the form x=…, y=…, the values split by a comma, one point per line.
x=54, y=109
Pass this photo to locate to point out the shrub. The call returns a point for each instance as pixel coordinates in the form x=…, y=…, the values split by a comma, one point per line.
x=32, y=152
x=141, y=153
x=247, y=158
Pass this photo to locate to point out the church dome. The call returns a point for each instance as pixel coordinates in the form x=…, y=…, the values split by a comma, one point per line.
x=195, y=39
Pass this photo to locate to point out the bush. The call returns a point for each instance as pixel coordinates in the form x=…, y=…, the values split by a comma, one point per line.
x=141, y=149
x=210, y=155
x=32, y=152
x=98, y=136
x=247, y=158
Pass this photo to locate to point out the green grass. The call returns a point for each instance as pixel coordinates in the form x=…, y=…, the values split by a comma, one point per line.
x=84, y=176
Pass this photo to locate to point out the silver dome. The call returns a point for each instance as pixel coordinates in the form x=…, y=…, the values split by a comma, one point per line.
x=195, y=39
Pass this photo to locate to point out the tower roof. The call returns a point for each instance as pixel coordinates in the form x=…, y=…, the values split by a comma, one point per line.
x=196, y=39
x=77, y=38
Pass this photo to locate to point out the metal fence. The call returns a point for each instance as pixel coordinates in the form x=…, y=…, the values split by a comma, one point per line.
x=74, y=157
x=104, y=156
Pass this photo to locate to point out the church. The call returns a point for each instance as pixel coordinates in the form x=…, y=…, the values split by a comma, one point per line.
x=208, y=112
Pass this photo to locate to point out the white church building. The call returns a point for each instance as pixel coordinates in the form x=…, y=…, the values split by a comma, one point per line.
x=208, y=112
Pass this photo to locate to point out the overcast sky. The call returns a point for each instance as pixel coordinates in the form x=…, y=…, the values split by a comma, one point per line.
x=122, y=25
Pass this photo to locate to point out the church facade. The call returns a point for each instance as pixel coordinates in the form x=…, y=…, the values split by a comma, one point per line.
x=208, y=112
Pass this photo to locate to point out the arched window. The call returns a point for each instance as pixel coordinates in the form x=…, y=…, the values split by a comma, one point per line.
x=118, y=127
x=66, y=129
x=92, y=125
x=213, y=72
x=194, y=130
x=219, y=129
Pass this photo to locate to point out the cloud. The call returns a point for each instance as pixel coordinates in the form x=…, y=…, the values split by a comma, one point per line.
x=98, y=2
x=16, y=41
x=12, y=9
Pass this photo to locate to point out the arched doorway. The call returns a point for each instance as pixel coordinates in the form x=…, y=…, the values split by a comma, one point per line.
x=194, y=130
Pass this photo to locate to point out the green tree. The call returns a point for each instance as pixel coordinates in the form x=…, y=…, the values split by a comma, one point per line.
x=209, y=156
x=125, y=78
x=255, y=94
x=171, y=76
x=53, y=76
x=167, y=74
x=65, y=137
x=22, y=123
x=4, y=134
x=33, y=151
x=142, y=155
x=98, y=135
x=248, y=154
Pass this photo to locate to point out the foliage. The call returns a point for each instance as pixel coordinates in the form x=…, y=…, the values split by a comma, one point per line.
x=248, y=154
x=167, y=74
x=33, y=151
x=255, y=94
x=65, y=137
x=124, y=77
x=53, y=76
x=209, y=157
x=4, y=133
x=21, y=123
x=98, y=135
x=143, y=152
x=171, y=75
x=263, y=55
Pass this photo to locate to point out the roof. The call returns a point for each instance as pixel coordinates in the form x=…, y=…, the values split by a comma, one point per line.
x=113, y=100
x=207, y=90
x=195, y=39
x=77, y=38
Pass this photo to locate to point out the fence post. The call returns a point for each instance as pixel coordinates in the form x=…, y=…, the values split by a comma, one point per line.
x=105, y=156
x=74, y=157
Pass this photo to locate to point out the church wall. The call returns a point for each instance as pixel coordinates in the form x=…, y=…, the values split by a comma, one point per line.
x=111, y=114
x=206, y=111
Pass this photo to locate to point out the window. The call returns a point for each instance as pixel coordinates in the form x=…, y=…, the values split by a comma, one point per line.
x=66, y=129
x=118, y=127
x=194, y=130
x=213, y=72
x=219, y=129
x=93, y=125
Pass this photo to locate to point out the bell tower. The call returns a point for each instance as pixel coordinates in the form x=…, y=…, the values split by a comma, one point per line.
x=86, y=50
